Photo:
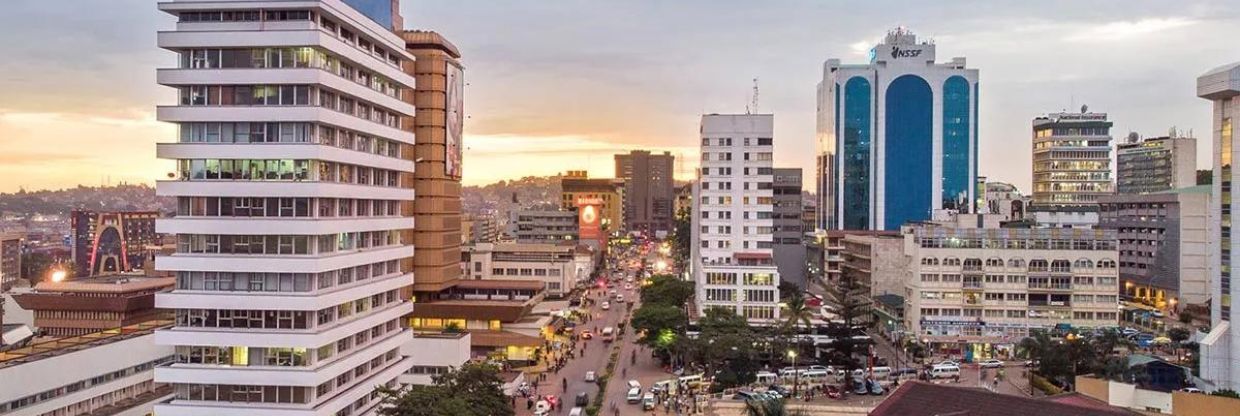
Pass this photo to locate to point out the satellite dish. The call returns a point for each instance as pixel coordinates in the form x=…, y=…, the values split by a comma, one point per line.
x=1084, y=108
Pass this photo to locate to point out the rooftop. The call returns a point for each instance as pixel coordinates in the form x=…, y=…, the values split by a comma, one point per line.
x=108, y=284
x=916, y=398
x=61, y=346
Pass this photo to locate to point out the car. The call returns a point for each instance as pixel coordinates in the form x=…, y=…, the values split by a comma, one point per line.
x=1031, y=363
x=859, y=388
x=577, y=411
x=948, y=362
x=1191, y=390
x=944, y=371
x=991, y=363
x=587, y=335
x=619, y=298
x=648, y=402
x=783, y=391
x=591, y=377
x=875, y=387
x=1129, y=331
x=634, y=384
x=606, y=305
x=628, y=286
x=582, y=400
x=634, y=396
x=1157, y=314
x=743, y=395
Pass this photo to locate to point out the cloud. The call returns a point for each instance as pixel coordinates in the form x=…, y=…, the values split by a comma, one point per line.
x=1122, y=30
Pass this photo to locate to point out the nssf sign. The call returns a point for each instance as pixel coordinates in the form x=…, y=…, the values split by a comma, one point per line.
x=897, y=53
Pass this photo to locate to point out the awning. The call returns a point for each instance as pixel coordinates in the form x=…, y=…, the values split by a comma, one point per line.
x=488, y=338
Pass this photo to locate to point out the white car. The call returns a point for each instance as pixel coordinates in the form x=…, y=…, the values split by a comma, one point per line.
x=590, y=377
x=606, y=305
x=948, y=363
x=991, y=364
x=619, y=298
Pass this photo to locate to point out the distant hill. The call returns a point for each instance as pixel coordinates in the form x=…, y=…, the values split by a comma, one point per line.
x=123, y=197
x=538, y=192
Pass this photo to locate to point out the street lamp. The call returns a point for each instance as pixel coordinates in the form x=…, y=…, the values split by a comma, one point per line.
x=796, y=376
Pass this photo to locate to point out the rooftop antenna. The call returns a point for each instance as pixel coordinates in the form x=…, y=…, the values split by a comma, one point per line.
x=754, y=105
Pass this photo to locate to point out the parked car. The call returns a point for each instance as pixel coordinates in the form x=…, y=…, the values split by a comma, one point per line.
x=743, y=395
x=606, y=305
x=648, y=402
x=948, y=362
x=577, y=411
x=634, y=396
x=590, y=377
x=1191, y=390
x=991, y=363
x=944, y=371
x=582, y=400
x=859, y=388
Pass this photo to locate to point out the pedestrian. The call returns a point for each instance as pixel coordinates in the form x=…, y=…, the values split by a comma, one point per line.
x=529, y=403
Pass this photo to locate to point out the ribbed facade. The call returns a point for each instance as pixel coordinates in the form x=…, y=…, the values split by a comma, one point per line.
x=294, y=186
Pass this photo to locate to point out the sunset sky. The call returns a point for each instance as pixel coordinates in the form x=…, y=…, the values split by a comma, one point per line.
x=558, y=85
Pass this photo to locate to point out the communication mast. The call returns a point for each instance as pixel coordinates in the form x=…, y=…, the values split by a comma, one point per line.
x=754, y=105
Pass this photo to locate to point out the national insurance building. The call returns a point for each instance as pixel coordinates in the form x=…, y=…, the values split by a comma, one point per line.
x=897, y=137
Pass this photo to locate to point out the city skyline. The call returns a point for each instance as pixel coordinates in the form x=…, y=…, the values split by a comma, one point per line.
x=600, y=90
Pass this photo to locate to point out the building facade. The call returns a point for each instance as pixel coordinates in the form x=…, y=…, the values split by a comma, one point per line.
x=648, y=190
x=110, y=242
x=546, y=226
x=1071, y=167
x=897, y=136
x=876, y=261
x=1155, y=164
x=479, y=228
x=789, y=229
x=975, y=293
x=79, y=307
x=1220, y=350
x=1163, y=245
x=1005, y=200
x=577, y=189
x=555, y=265
x=110, y=373
x=10, y=260
x=296, y=196
x=733, y=223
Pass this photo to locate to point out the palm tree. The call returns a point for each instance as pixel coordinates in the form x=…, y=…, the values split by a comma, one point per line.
x=796, y=312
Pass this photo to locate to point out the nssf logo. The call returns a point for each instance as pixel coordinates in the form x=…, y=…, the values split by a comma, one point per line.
x=896, y=52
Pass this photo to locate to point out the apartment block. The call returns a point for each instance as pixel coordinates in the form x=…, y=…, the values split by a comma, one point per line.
x=733, y=220
x=1155, y=164
x=543, y=226
x=975, y=292
x=648, y=190
x=1163, y=245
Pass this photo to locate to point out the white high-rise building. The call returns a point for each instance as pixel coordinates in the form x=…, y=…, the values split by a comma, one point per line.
x=733, y=228
x=1220, y=350
x=293, y=164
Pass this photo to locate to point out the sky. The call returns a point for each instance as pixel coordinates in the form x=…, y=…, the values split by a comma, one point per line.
x=559, y=85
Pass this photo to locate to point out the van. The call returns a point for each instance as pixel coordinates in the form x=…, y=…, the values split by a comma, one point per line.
x=692, y=381
x=609, y=334
x=634, y=395
x=634, y=384
x=944, y=371
x=766, y=377
x=668, y=386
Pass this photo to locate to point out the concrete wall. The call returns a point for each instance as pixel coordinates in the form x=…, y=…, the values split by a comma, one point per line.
x=1196, y=404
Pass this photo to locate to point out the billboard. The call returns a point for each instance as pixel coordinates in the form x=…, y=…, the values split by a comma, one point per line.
x=590, y=219
x=454, y=121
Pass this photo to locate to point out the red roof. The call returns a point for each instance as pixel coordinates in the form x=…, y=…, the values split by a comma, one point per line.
x=917, y=398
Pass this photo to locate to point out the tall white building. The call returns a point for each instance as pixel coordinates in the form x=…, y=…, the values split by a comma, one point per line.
x=1220, y=350
x=897, y=136
x=294, y=162
x=733, y=225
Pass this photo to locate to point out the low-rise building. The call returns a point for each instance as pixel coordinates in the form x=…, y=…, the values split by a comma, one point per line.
x=542, y=226
x=93, y=304
x=1163, y=245
x=556, y=266
x=10, y=260
x=975, y=292
x=788, y=227
x=106, y=373
x=1155, y=164
x=578, y=189
x=479, y=229
x=496, y=314
x=434, y=354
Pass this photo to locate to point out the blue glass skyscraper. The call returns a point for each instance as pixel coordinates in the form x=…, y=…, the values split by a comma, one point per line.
x=897, y=137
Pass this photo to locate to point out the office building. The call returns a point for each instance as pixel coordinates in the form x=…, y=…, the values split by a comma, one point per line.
x=10, y=260
x=304, y=249
x=94, y=304
x=578, y=190
x=498, y=315
x=975, y=292
x=111, y=242
x=897, y=136
x=648, y=193
x=1220, y=350
x=875, y=261
x=557, y=266
x=438, y=128
x=1071, y=168
x=104, y=373
x=1155, y=164
x=1163, y=245
x=542, y=226
x=733, y=222
x=479, y=228
x=789, y=230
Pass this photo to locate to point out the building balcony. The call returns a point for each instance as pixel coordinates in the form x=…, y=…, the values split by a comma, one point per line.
x=281, y=337
x=279, y=151
x=299, y=301
x=280, y=263
x=275, y=189
x=263, y=114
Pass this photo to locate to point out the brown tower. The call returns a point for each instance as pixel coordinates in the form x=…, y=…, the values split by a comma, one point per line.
x=437, y=177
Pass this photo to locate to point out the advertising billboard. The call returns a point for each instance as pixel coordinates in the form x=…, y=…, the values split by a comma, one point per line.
x=590, y=218
x=454, y=121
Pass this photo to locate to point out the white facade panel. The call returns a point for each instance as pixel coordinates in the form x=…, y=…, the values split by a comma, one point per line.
x=307, y=113
x=278, y=264
x=280, y=189
x=279, y=338
x=308, y=301
x=273, y=76
x=278, y=225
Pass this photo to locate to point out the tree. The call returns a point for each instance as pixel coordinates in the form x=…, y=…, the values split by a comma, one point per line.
x=1178, y=334
x=796, y=313
x=848, y=301
x=471, y=390
x=1226, y=393
x=667, y=290
x=1205, y=176
x=726, y=347
x=1187, y=317
x=682, y=238
x=659, y=325
x=788, y=289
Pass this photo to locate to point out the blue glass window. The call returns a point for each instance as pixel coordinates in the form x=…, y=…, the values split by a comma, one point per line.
x=956, y=142
x=378, y=10
x=856, y=154
x=907, y=151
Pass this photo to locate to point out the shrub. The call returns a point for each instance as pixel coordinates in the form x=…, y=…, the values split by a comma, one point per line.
x=1041, y=383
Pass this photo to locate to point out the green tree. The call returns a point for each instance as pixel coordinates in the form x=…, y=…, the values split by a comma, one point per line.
x=659, y=325
x=1205, y=176
x=847, y=300
x=726, y=346
x=471, y=390
x=667, y=290
x=1226, y=393
x=682, y=238
x=795, y=314
x=1187, y=317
